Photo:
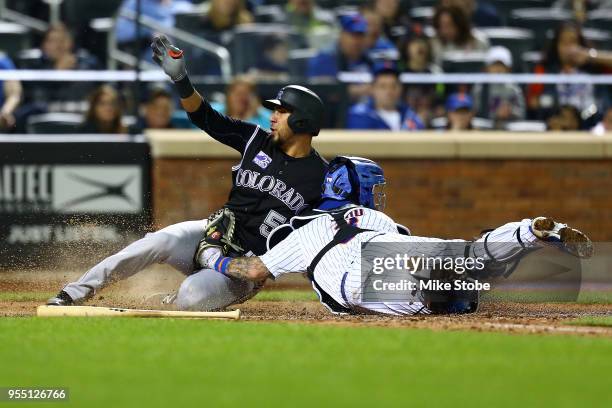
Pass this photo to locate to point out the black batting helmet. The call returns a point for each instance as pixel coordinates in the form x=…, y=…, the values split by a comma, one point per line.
x=305, y=106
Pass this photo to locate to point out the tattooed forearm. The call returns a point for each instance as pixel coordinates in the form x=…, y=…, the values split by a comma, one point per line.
x=247, y=268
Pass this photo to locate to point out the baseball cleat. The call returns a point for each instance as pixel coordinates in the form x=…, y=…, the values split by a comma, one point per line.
x=62, y=299
x=572, y=241
x=163, y=298
x=169, y=299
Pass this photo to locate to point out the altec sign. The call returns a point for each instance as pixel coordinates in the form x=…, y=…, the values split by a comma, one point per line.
x=71, y=189
x=55, y=192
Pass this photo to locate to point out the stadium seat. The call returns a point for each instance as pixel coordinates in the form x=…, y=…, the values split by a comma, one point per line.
x=101, y=28
x=441, y=123
x=601, y=19
x=269, y=14
x=298, y=62
x=54, y=123
x=79, y=12
x=530, y=59
x=28, y=58
x=600, y=39
x=250, y=40
x=505, y=7
x=517, y=40
x=191, y=22
x=540, y=21
x=13, y=38
x=526, y=126
x=421, y=3
x=461, y=61
x=482, y=123
x=422, y=15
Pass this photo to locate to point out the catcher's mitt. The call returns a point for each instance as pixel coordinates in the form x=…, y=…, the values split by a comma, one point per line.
x=220, y=233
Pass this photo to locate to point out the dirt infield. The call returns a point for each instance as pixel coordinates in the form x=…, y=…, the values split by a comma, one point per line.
x=493, y=316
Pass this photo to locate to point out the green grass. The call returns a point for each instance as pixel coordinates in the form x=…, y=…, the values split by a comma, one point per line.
x=595, y=297
x=605, y=321
x=286, y=295
x=182, y=363
x=585, y=297
x=26, y=296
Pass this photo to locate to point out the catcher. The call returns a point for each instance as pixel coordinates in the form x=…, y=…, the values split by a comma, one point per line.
x=328, y=246
x=278, y=176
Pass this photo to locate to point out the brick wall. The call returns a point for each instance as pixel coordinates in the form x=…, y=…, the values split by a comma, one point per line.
x=449, y=198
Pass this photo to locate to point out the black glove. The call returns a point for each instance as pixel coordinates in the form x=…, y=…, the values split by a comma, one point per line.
x=219, y=233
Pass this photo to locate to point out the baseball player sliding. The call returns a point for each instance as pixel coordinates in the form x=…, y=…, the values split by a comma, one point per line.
x=328, y=247
x=278, y=176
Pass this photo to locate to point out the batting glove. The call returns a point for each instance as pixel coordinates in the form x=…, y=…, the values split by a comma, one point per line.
x=169, y=58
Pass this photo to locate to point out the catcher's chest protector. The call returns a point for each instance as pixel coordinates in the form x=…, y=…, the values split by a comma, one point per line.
x=345, y=233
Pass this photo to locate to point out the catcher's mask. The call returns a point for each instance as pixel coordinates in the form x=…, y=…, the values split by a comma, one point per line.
x=359, y=180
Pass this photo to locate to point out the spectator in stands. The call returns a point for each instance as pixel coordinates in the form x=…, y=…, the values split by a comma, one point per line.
x=224, y=15
x=416, y=58
x=314, y=23
x=605, y=126
x=162, y=11
x=385, y=109
x=454, y=32
x=158, y=111
x=481, y=13
x=499, y=102
x=58, y=51
x=396, y=21
x=379, y=47
x=10, y=97
x=459, y=112
x=567, y=118
x=568, y=53
x=349, y=54
x=242, y=102
x=104, y=113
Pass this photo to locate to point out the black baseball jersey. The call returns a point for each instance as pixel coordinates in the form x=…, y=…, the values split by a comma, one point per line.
x=269, y=187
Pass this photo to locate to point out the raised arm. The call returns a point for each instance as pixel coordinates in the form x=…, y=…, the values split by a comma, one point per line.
x=231, y=132
x=12, y=98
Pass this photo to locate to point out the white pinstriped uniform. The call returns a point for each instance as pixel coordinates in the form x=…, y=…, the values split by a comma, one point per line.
x=296, y=252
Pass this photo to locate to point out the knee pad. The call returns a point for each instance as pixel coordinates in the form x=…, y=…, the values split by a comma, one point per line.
x=208, y=290
x=190, y=297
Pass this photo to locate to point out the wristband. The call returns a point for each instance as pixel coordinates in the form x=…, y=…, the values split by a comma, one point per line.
x=184, y=87
x=222, y=264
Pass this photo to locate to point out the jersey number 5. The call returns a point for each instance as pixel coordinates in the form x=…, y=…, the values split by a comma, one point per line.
x=272, y=220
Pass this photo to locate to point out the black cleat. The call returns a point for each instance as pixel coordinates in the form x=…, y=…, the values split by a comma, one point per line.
x=62, y=299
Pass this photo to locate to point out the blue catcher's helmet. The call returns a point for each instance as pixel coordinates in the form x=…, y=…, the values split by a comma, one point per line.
x=355, y=179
